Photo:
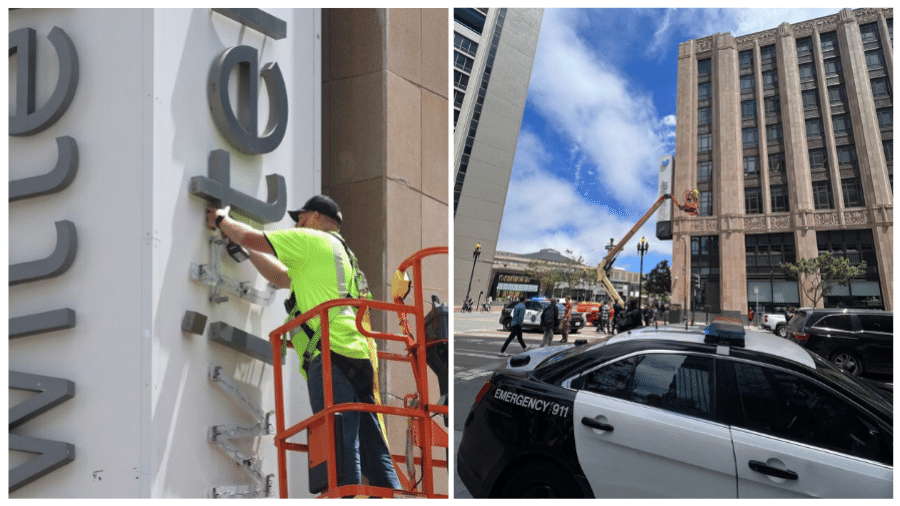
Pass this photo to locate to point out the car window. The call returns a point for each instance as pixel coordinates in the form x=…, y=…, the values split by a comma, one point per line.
x=782, y=404
x=836, y=322
x=609, y=380
x=876, y=323
x=679, y=383
x=797, y=320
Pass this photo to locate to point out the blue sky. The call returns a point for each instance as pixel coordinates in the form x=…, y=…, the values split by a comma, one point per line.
x=599, y=114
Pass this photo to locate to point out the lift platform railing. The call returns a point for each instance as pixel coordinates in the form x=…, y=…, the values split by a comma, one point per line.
x=428, y=433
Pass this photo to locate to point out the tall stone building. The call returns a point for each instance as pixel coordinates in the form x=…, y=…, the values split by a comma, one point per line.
x=788, y=136
x=493, y=52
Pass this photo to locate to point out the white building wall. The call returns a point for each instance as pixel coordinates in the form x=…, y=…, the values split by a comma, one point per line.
x=143, y=400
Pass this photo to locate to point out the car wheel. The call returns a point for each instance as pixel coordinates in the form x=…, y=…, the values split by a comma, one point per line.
x=850, y=359
x=781, y=330
x=506, y=325
x=541, y=480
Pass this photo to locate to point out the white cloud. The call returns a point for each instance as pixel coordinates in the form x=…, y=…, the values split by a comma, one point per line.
x=589, y=102
x=545, y=211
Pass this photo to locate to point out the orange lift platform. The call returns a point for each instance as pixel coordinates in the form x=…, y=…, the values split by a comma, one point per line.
x=423, y=432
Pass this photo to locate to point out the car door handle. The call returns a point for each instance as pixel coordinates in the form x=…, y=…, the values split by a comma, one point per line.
x=759, y=467
x=594, y=424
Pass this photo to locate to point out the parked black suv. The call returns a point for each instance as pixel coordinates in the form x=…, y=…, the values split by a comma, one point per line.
x=854, y=339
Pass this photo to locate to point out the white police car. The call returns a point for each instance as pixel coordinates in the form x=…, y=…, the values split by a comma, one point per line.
x=674, y=413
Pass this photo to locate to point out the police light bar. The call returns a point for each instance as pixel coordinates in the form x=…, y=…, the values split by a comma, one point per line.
x=728, y=331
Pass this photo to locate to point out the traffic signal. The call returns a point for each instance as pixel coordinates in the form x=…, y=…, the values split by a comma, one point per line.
x=696, y=278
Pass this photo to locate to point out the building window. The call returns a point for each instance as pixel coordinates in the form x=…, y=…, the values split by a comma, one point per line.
x=890, y=23
x=841, y=123
x=885, y=118
x=855, y=245
x=846, y=156
x=881, y=88
x=804, y=46
x=751, y=166
x=460, y=80
x=776, y=163
x=704, y=90
x=753, y=200
x=774, y=133
x=704, y=143
x=470, y=18
x=750, y=137
x=779, y=194
x=832, y=67
x=704, y=115
x=705, y=266
x=462, y=62
x=770, y=79
x=767, y=54
x=747, y=83
x=706, y=203
x=837, y=95
x=869, y=32
x=874, y=59
x=829, y=42
x=853, y=195
x=810, y=99
x=704, y=67
x=772, y=105
x=458, y=98
x=822, y=195
x=813, y=128
x=704, y=171
x=745, y=59
x=888, y=147
x=464, y=45
x=817, y=159
x=748, y=109
x=807, y=72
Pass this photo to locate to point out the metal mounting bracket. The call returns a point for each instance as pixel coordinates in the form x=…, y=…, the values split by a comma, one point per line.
x=221, y=436
x=219, y=285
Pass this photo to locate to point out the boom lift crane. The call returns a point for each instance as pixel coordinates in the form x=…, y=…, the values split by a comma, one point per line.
x=691, y=201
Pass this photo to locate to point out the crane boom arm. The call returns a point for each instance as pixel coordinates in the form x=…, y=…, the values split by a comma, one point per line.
x=606, y=264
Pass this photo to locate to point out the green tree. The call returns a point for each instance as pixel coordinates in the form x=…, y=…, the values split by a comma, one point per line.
x=658, y=281
x=548, y=275
x=817, y=276
x=573, y=272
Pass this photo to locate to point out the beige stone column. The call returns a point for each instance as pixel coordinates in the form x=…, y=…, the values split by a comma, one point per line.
x=385, y=158
x=866, y=135
x=685, y=175
x=728, y=197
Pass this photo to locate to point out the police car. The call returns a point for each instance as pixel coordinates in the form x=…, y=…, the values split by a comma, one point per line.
x=675, y=413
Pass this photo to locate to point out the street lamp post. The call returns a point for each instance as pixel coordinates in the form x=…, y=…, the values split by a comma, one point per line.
x=686, y=281
x=475, y=255
x=609, y=247
x=642, y=248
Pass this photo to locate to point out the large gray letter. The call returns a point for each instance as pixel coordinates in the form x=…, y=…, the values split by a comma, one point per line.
x=54, y=181
x=57, y=263
x=218, y=191
x=27, y=121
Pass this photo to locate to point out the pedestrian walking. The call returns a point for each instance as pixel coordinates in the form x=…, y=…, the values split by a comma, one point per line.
x=566, y=319
x=604, y=318
x=515, y=326
x=549, y=321
x=614, y=313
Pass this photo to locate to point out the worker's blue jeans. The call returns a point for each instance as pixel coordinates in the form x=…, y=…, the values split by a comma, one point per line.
x=363, y=449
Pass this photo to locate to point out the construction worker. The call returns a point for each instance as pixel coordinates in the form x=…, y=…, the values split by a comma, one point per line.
x=314, y=262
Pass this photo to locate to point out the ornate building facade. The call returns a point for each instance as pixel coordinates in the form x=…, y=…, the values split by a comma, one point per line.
x=788, y=136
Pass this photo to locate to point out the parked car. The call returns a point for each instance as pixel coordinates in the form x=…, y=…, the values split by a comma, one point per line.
x=856, y=339
x=774, y=322
x=656, y=413
x=533, y=310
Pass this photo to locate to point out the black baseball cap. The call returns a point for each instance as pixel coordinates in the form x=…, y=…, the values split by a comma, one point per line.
x=320, y=204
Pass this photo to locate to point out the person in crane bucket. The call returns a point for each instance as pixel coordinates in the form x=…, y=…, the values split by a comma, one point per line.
x=313, y=260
